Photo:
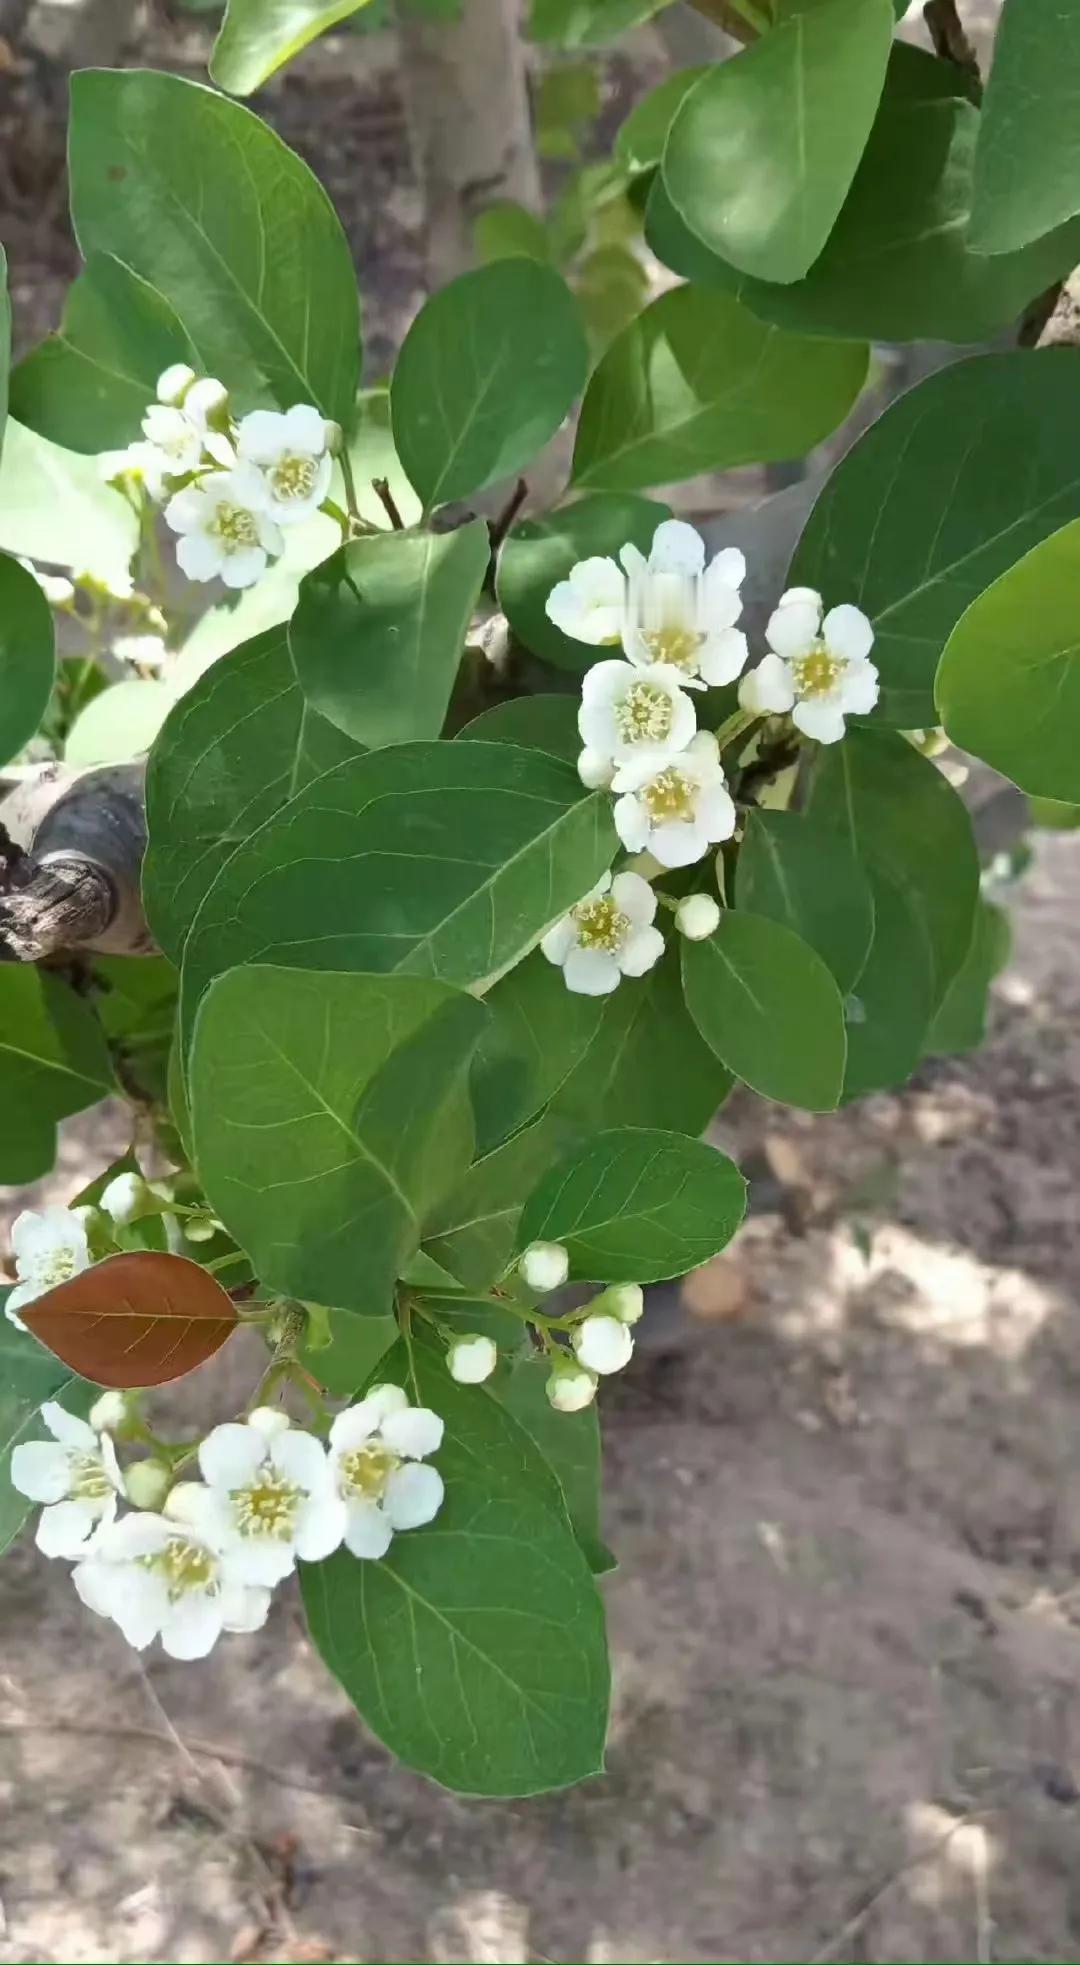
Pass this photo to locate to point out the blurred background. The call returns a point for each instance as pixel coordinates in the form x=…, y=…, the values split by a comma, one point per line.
x=843, y=1481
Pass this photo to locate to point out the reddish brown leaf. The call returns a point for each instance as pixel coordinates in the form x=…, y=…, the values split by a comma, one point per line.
x=139, y=1319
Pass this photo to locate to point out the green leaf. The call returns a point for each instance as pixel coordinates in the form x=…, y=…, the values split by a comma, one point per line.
x=636, y=1205
x=54, y=507
x=646, y=1064
x=490, y=1611
x=543, y=723
x=587, y=23
x=639, y=141
x=350, y=1350
x=891, y=1008
x=929, y=507
x=539, y=553
x=767, y=1005
x=899, y=264
x=810, y=880
x=1008, y=687
x=377, y=637
x=27, y=656
x=471, y=1232
x=328, y=1119
x=497, y=843
x=238, y=746
x=897, y=811
x=1027, y=164
x=29, y=1375
x=203, y=201
x=960, y=1024
x=135, y=999
x=538, y=1031
x=88, y=385
x=612, y=287
x=5, y=343
x=697, y=384
x=270, y=603
x=488, y=370
x=257, y=37
x=371, y=449
x=53, y=1062
x=761, y=155
x=505, y=230
x=118, y=724
x=569, y=1442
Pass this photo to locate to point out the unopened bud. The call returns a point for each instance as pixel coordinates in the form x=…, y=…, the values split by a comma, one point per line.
x=108, y=1413
x=147, y=1484
x=204, y=401
x=269, y=1421
x=174, y=383
x=334, y=435
x=201, y=1228
x=603, y=1344
x=697, y=916
x=184, y=1501
x=571, y=1388
x=626, y=1301
x=124, y=1197
x=595, y=770
x=472, y=1358
x=544, y=1266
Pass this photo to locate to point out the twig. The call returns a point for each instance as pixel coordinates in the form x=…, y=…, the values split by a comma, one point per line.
x=858, y=1917
x=950, y=39
x=381, y=488
x=499, y=527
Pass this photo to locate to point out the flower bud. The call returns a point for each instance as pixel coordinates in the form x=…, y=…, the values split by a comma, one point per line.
x=544, y=1266
x=697, y=916
x=184, y=1501
x=204, y=401
x=201, y=1228
x=626, y=1301
x=472, y=1358
x=108, y=1413
x=603, y=1344
x=269, y=1420
x=147, y=1483
x=571, y=1389
x=334, y=435
x=595, y=770
x=124, y=1197
x=174, y=383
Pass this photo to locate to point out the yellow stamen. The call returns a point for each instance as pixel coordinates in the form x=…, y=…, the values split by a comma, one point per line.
x=814, y=674
x=645, y=714
x=600, y=924
x=365, y=1471
x=669, y=796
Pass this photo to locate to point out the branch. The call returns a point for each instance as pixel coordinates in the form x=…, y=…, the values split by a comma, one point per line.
x=72, y=846
x=950, y=39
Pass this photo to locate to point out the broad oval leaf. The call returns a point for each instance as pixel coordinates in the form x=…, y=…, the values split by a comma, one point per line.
x=761, y=154
x=538, y=1032
x=960, y=1024
x=202, y=200
x=540, y=552
x=569, y=1442
x=119, y=723
x=28, y=1377
x=1027, y=164
x=542, y=723
x=696, y=383
x=487, y=371
x=132, y=1320
x=53, y=1062
x=889, y=1011
x=88, y=385
x=471, y=1232
x=766, y=1004
x=640, y=140
x=1008, y=687
x=55, y=507
x=377, y=637
x=898, y=812
x=497, y=842
x=928, y=507
x=810, y=880
x=636, y=1205
x=5, y=343
x=342, y=1350
x=27, y=656
x=257, y=37
x=239, y=745
x=490, y=1608
x=329, y=1115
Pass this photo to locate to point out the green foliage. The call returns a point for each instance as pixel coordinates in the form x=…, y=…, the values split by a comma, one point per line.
x=960, y=1024
x=811, y=881
x=540, y=552
x=569, y=1442
x=53, y=1062
x=54, y=506
x=257, y=37
x=5, y=343
x=505, y=230
x=767, y=1005
x=471, y=1233
x=1027, y=165
x=118, y=724
x=646, y=1064
x=639, y=144
x=587, y=23
x=29, y=1375
x=636, y=1205
x=890, y=1011
x=27, y=656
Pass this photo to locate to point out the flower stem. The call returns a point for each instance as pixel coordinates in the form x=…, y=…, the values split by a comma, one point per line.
x=734, y=726
x=349, y=481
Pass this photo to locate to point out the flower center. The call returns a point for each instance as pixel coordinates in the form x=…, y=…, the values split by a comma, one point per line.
x=600, y=924
x=56, y=1267
x=235, y=527
x=87, y=1479
x=645, y=714
x=669, y=796
x=678, y=647
x=267, y=1507
x=814, y=674
x=184, y=1566
x=365, y=1471
x=293, y=477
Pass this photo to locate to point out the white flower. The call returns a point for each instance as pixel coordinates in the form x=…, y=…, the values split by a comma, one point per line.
x=590, y=604
x=142, y=651
x=472, y=1358
x=571, y=1388
x=270, y=1497
x=608, y=935
x=123, y=1197
x=544, y=1266
x=49, y=1248
x=174, y=437
x=143, y=463
x=56, y=587
x=76, y=1476
x=160, y=1576
x=174, y=382
x=681, y=612
x=224, y=529
x=595, y=770
x=818, y=669
x=376, y=1451
x=292, y=452
x=109, y=1412
x=639, y=718
x=146, y=1483
x=603, y=1343
x=697, y=916
x=682, y=810
x=626, y=1301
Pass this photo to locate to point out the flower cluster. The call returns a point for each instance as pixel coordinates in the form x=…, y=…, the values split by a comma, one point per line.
x=201, y=1557
x=600, y=1333
x=230, y=487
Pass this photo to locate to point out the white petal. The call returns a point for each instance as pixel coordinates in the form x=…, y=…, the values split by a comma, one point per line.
x=632, y=559
x=716, y=813
x=768, y=689
x=37, y=1236
x=200, y=557
x=66, y=1426
x=728, y=565
x=242, y=569
x=703, y=753
x=384, y=1399
x=134, y=1536
x=678, y=843
x=230, y=1456
x=269, y=1421
x=413, y=1496
x=260, y=1561
x=723, y=657
x=640, y=952
x=368, y=1533
x=591, y=972
x=320, y=1528
x=847, y=632
x=721, y=606
x=631, y=822
x=595, y=770
x=676, y=548
x=23, y=1293
x=305, y=429
x=192, y=1627
x=134, y=1598
x=416, y=1432
x=358, y=1423
x=41, y=1471
x=792, y=629
x=603, y=1343
x=64, y=1530
x=603, y=683
x=302, y=1460
x=243, y=1608
x=858, y=688
x=187, y=510
x=634, y=897
x=271, y=537
x=822, y=721
x=801, y=596
x=558, y=941
x=262, y=436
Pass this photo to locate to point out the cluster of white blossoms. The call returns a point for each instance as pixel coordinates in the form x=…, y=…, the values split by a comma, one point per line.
x=201, y=1557
x=674, y=616
x=230, y=487
x=600, y=1333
